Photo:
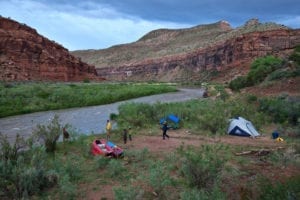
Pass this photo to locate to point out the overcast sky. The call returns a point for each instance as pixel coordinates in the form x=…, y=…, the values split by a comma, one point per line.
x=99, y=24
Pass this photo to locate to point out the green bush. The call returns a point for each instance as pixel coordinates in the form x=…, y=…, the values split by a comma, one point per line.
x=23, y=173
x=295, y=56
x=191, y=194
x=101, y=162
x=202, y=167
x=281, y=109
x=261, y=67
x=238, y=83
x=159, y=178
x=67, y=189
x=259, y=70
x=116, y=169
x=49, y=134
x=288, y=190
x=127, y=192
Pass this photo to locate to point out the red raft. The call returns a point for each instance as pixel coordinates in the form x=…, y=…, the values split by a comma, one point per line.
x=106, y=148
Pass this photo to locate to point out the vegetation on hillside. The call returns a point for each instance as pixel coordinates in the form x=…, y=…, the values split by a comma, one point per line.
x=21, y=98
x=269, y=68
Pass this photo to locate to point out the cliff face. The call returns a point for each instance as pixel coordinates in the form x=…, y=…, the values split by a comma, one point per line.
x=188, y=54
x=26, y=55
x=235, y=52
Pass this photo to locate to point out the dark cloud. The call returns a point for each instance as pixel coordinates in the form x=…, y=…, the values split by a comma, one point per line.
x=195, y=11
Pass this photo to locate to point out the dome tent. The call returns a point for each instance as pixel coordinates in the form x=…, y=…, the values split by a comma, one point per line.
x=242, y=127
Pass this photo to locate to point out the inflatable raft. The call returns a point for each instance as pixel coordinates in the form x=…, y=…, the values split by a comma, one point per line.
x=106, y=148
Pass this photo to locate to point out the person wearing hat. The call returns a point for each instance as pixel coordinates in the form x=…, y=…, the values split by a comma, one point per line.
x=164, y=129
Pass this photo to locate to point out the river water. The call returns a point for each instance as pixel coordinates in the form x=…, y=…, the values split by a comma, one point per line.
x=86, y=120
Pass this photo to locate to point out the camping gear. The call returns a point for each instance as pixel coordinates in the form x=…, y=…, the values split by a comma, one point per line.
x=275, y=135
x=172, y=120
x=242, y=127
x=279, y=139
x=106, y=148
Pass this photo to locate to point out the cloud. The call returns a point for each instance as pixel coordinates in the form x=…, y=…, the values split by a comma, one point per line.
x=96, y=24
x=85, y=26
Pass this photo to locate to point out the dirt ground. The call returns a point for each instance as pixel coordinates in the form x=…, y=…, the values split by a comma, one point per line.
x=156, y=145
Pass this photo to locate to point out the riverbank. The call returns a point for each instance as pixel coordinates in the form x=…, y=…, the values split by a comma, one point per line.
x=86, y=120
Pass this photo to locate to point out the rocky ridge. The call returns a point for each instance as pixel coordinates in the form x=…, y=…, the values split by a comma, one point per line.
x=26, y=55
x=188, y=54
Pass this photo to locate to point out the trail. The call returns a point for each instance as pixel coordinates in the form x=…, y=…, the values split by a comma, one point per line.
x=86, y=120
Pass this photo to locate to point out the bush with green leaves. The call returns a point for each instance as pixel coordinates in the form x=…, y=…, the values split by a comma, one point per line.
x=116, y=169
x=194, y=193
x=259, y=70
x=158, y=178
x=127, y=192
x=280, y=190
x=295, y=56
x=282, y=110
x=23, y=173
x=202, y=168
x=49, y=133
x=102, y=162
x=262, y=67
x=238, y=83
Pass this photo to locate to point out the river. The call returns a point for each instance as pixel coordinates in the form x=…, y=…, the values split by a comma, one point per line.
x=86, y=120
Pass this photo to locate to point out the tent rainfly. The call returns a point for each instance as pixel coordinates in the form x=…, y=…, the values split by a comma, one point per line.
x=242, y=127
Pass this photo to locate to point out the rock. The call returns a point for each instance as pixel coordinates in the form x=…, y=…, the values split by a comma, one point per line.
x=188, y=55
x=26, y=55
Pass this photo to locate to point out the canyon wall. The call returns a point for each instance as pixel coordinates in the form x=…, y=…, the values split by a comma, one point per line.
x=238, y=51
x=26, y=55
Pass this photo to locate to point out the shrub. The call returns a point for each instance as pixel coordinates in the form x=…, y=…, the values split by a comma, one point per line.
x=281, y=109
x=295, y=56
x=195, y=193
x=67, y=189
x=259, y=70
x=261, y=67
x=23, y=173
x=288, y=190
x=238, y=83
x=158, y=178
x=128, y=192
x=116, y=169
x=49, y=134
x=202, y=167
x=102, y=162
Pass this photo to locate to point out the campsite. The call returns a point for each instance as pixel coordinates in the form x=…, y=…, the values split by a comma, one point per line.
x=200, y=159
x=229, y=127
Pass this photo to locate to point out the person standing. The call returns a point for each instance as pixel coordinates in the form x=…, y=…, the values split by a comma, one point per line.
x=129, y=134
x=164, y=129
x=108, y=129
x=125, y=135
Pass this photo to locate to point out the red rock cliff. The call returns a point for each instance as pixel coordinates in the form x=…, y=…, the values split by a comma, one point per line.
x=235, y=52
x=26, y=55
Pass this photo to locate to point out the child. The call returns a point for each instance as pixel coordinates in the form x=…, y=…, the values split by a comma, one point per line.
x=125, y=135
x=129, y=134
